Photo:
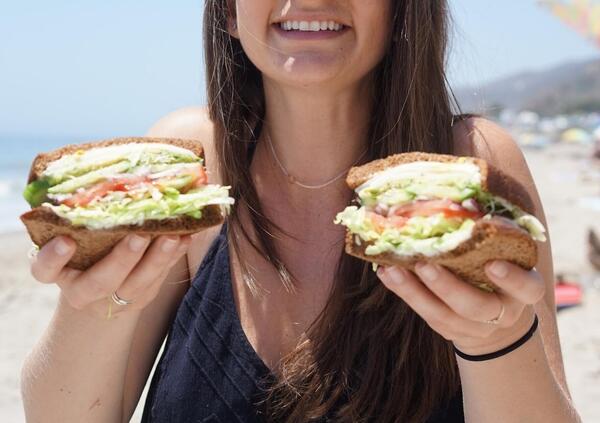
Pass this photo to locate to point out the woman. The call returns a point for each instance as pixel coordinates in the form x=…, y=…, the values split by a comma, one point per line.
x=279, y=324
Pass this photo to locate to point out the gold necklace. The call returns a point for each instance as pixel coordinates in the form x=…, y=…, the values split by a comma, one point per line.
x=292, y=180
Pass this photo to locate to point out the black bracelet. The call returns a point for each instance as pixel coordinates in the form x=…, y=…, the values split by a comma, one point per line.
x=503, y=351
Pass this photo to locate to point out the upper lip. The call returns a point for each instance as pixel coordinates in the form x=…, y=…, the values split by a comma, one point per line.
x=309, y=18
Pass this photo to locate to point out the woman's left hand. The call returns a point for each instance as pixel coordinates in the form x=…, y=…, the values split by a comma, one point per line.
x=477, y=322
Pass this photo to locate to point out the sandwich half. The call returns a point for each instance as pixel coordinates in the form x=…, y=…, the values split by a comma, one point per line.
x=97, y=193
x=458, y=212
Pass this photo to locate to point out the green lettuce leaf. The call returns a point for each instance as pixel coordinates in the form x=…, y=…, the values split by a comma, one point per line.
x=117, y=208
x=37, y=192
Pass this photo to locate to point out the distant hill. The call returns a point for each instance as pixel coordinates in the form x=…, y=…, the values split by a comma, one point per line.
x=568, y=88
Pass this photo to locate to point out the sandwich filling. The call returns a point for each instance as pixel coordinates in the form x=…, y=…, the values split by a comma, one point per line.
x=126, y=184
x=426, y=208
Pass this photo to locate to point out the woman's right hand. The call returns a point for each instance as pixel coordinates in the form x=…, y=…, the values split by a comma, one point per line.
x=134, y=269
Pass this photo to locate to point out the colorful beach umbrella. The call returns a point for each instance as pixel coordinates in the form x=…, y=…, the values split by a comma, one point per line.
x=581, y=15
x=576, y=136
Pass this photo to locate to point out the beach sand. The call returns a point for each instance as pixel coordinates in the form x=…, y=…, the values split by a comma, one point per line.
x=564, y=175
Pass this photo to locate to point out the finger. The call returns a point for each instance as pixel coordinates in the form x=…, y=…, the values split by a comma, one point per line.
x=464, y=299
x=103, y=278
x=526, y=286
x=434, y=311
x=150, y=292
x=49, y=262
x=153, y=268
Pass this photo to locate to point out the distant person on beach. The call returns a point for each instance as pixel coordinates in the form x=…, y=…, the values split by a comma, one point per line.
x=267, y=318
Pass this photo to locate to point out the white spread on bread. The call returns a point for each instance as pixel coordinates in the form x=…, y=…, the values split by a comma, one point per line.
x=460, y=173
x=98, y=156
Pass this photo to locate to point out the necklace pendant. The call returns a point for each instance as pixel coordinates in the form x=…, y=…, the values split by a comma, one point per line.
x=291, y=179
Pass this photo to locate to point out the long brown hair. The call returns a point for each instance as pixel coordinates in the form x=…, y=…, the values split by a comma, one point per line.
x=368, y=356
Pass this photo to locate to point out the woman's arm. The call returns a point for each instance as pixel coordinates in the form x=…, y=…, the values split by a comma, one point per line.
x=482, y=138
x=76, y=372
x=87, y=368
x=528, y=384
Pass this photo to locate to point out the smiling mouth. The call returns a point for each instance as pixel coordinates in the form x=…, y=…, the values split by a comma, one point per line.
x=311, y=26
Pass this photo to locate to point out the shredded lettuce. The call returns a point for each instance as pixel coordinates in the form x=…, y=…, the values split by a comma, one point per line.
x=425, y=235
x=117, y=208
x=533, y=226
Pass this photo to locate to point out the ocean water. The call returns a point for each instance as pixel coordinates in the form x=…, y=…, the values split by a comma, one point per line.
x=16, y=154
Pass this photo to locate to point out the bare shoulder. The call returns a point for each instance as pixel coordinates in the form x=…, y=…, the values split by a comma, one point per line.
x=483, y=138
x=193, y=123
x=190, y=123
x=479, y=137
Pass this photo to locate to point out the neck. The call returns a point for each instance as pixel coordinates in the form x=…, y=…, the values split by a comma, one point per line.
x=315, y=135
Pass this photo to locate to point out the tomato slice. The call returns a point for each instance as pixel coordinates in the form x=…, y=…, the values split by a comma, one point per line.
x=83, y=198
x=398, y=216
x=381, y=222
x=200, y=177
x=99, y=190
x=397, y=221
x=432, y=207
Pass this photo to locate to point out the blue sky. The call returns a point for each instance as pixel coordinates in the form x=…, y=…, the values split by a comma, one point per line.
x=99, y=69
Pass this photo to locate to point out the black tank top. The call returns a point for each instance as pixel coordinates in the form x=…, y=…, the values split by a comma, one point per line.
x=209, y=371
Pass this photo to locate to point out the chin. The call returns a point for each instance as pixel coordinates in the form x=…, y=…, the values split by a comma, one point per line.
x=306, y=69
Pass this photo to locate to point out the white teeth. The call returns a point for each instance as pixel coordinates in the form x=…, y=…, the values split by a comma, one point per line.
x=313, y=26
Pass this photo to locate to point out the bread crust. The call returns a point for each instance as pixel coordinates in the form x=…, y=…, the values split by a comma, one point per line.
x=94, y=244
x=493, y=180
x=492, y=239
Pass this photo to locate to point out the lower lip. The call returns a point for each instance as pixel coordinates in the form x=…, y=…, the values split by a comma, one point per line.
x=309, y=35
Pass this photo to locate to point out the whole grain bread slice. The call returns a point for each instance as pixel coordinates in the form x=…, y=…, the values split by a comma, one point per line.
x=92, y=245
x=492, y=239
x=493, y=180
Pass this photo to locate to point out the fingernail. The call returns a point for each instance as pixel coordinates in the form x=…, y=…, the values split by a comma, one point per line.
x=169, y=245
x=137, y=243
x=498, y=269
x=427, y=271
x=61, y=248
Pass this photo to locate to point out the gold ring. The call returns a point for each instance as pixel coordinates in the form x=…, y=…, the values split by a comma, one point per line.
x=120, y=301
x=496, y=320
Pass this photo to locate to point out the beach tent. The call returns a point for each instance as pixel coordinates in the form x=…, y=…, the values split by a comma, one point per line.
x=576, y=136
